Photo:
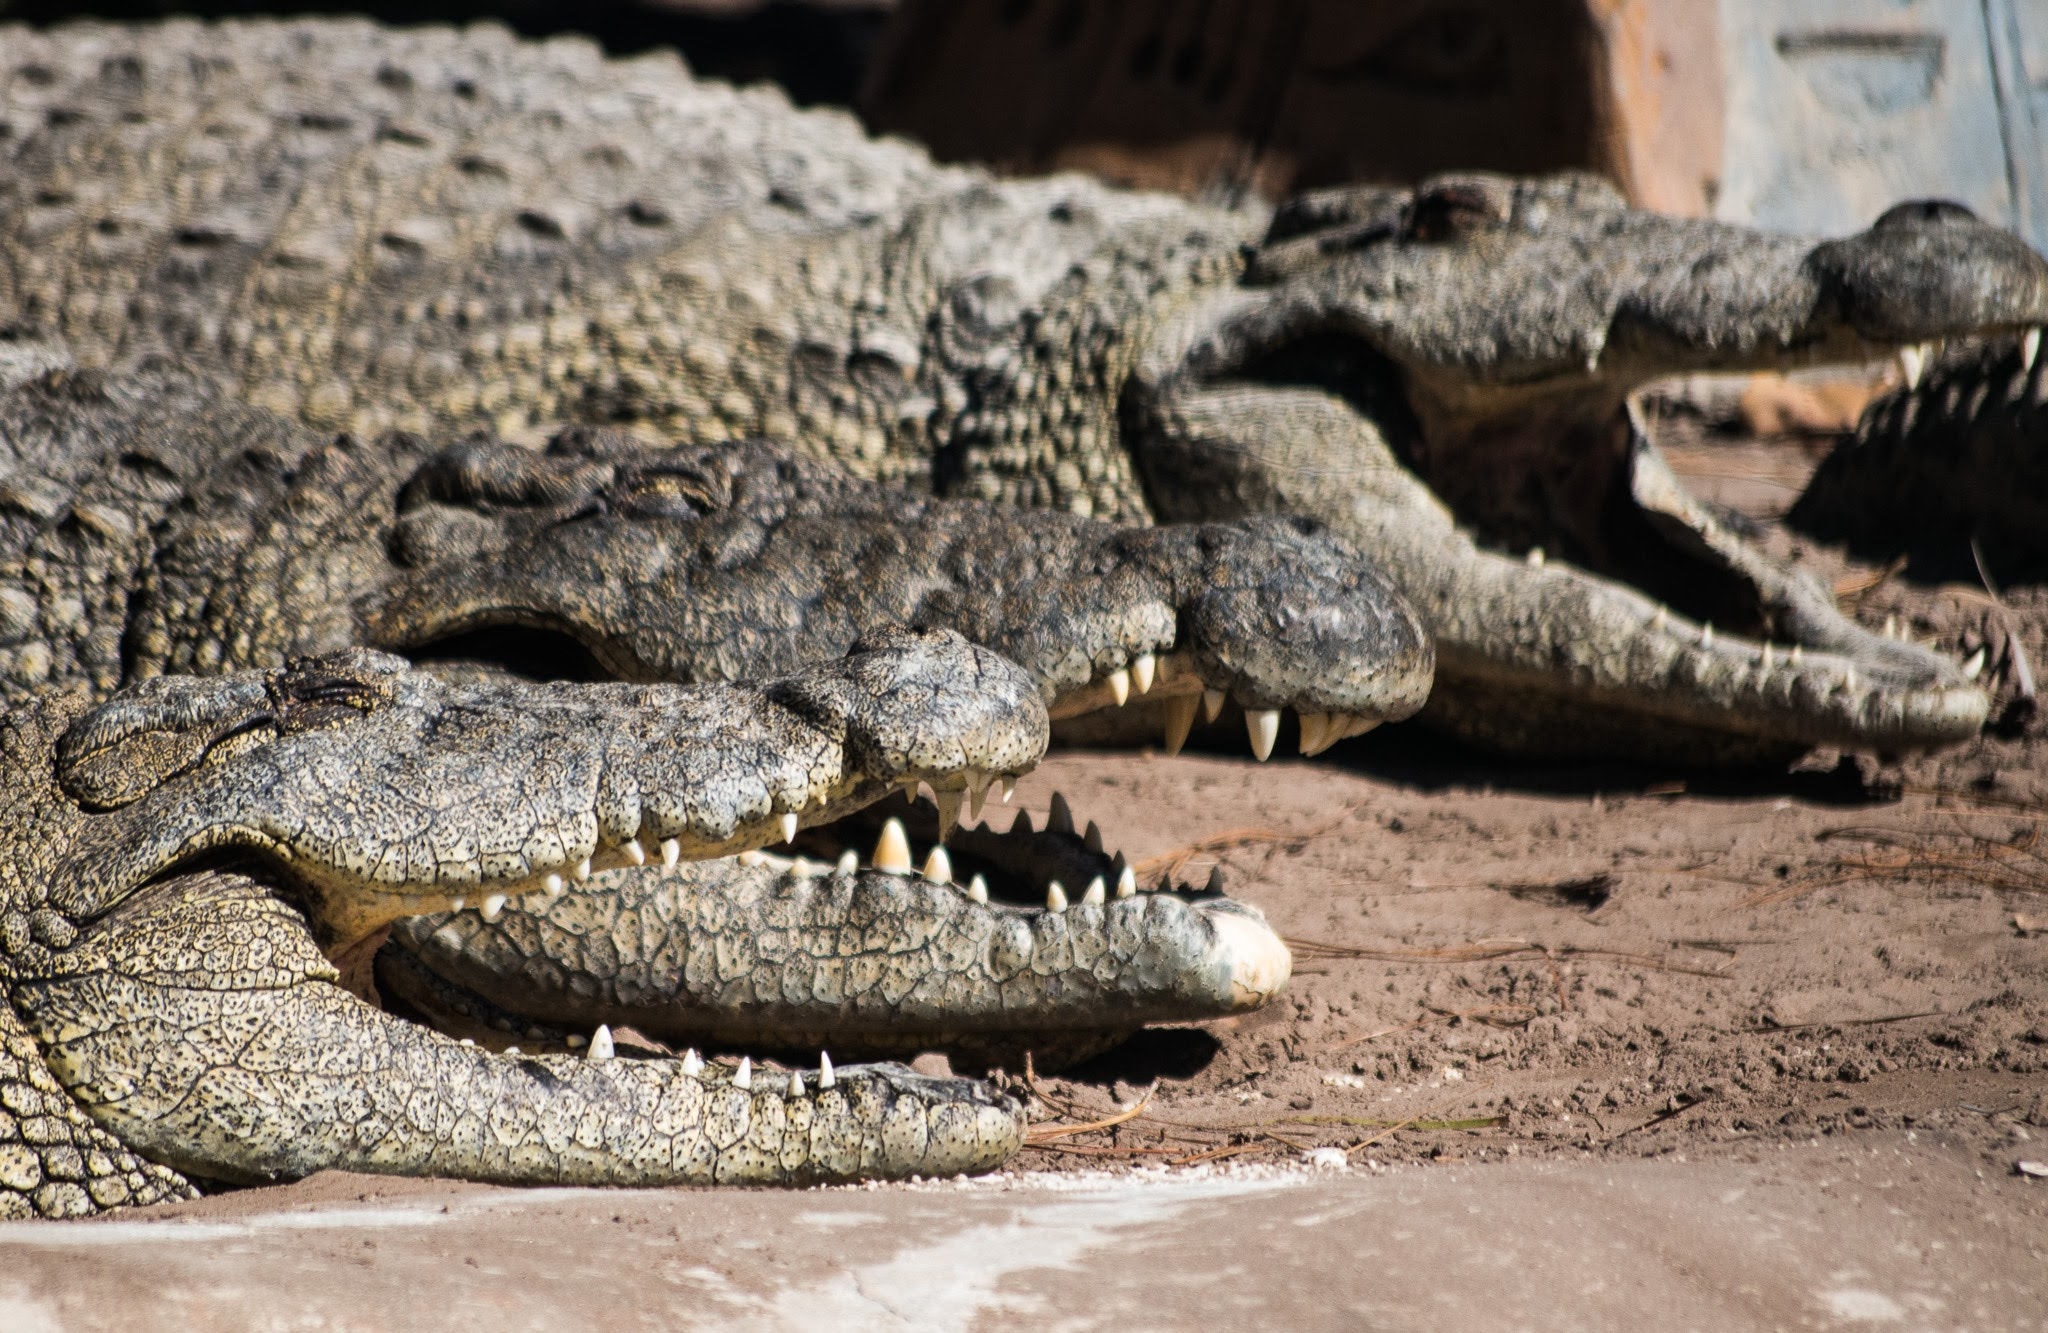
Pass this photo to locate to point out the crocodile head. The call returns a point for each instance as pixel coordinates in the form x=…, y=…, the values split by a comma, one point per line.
x=1445, y=376
x=197, y=854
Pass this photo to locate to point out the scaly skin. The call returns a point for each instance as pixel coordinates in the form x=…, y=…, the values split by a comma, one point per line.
x=1961, y=456
x=439, y=230
x=185, y=858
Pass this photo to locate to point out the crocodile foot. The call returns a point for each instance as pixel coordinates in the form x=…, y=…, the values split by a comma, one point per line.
x=201, y=853
x=1445, y=378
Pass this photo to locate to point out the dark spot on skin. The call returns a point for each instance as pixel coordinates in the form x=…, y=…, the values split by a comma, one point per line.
x=647, y=215
x=399, y=135
x=482, y=168
x=324, y=121
x=540, y=224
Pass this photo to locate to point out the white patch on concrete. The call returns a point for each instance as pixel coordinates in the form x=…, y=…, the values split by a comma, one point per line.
x=947, y=1281
x=1863, y=1305
x=422, y=1213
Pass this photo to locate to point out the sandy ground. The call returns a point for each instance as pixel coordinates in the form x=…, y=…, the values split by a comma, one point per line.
x=1582, y=1044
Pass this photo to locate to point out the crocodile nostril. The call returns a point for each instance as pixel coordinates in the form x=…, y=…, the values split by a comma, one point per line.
x=1923, y=213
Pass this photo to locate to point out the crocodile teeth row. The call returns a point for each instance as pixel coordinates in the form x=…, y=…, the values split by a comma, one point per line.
x=1319, y=731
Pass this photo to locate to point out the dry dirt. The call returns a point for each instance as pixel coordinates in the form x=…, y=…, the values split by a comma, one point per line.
x=1589, y=1042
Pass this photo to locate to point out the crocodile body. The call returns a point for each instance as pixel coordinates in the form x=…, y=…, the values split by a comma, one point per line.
x=1959, y=457
x=366, y=228
x=154, y=525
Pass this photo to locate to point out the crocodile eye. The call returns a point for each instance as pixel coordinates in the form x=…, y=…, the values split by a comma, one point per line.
x=665, y=491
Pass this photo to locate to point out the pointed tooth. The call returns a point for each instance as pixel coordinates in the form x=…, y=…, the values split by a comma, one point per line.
x=1212, y=704
x=1009, y=786
x=635, y=853
x=693, y=1064
x=1180, y=720
x=949, y=811
x=826, y=1078
x=1144, y=670
x=1535, y=557
x=1263, y=726
x=1097, y=893
x=1798, y=654
x=938, y=867
x=2030, y=349
x=555, y=886
x=494, y=906
x=1660, y=618
x=892, y=849
x=796, y=1083
x=581, y=870
x=977, y=792
x=1059, y=816
x=1215, y=884
x=1360, y=724
x=848, y=863
x=457, y=904
x=601, y=1047
x=1022, y=823
x=753, y=856
x=1912, y=360
x=1764, y=657
x=801, y=865
x=1315, y=732
x=1891, y=627
x=1848, y=677
x=1127, y=883
x=512, y=1050
x=977, y=892
x=789, y=826
x=1974, y=666
x=671, y=853
x=1092, y=839
x=1055, y=897
x=1119, y=682
x=1707, y=635
x=743, y=1077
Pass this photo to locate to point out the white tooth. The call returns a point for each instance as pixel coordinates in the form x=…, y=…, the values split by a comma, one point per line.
x=743, y=1077
x=1059, y=816
x=1127, y=883
x=938, y=867
x=949, y=811
x=1891, y=627
x=1215, y=879
x=457, y=904
x=1764, y=658
x=693, y=1064
x=1055, y=897
x=1009, y=786
x=2030, y=349
x=1707, y=635
x=1660, y=618
x=849, y=863
x=1022, y=823
x=1912, y=360
x=825, y=1076
x=789, y=826
x=1180, y=720
x=1535, y=557
x=1798, y=654
x=512, y=1050
x=1097, y=892
x=1263, y=725
x=1315, y=732
x=494, y=906
x=892, y=850
x=1144, y=670
x=1119, y=682
x=801, y=865
x=977, y=892
x=1848, y=678
x=1974, y=667
x=634, y=851
x=1212, y=704
x=1092, y=839
x=977, y=792
x=671, y=853
x=601, y=1047
x=796, y=1083
x=1361, y=724
x=581, y=870
x=753, y=856
x=555, y=886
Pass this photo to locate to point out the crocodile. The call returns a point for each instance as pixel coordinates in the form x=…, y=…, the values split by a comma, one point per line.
x=156, y=532
x=434, y=229
x=1955, y=455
